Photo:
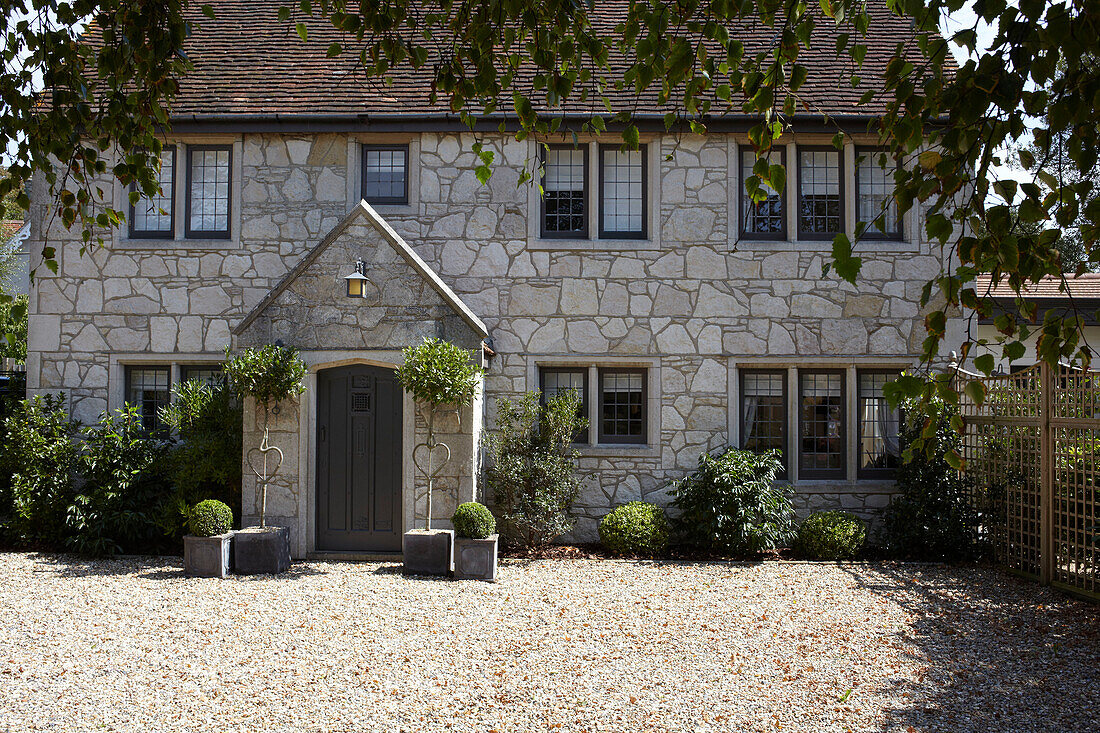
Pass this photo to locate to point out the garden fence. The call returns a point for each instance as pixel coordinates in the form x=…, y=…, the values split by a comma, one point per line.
x=1031, y=449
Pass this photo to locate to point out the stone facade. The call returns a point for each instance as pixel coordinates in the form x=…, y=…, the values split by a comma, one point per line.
x=692, y=304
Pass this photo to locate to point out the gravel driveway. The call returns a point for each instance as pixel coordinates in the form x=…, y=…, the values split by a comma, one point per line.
x=564, y=645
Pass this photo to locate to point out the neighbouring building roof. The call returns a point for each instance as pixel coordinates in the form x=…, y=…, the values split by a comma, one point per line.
x=1077, y=287
x=248, y=65
x=9, y=228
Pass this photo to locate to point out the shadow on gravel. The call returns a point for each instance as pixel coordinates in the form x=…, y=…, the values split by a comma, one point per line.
x=1002, y=654
x=148, y=567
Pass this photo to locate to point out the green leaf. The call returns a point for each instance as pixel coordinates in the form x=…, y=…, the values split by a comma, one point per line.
x=985, y=364
x=975, y=390
x=303, y=32
x=208, y=11
x=847, y=266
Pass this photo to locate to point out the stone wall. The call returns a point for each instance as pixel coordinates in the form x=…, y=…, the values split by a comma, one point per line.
x=696, y=301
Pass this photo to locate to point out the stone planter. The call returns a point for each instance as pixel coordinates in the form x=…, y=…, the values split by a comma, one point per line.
x=476, y=559
x=428, y=552
x=258, y=551
x=208, y=557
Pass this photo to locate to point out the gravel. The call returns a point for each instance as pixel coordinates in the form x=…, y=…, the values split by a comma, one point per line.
x=556, y=645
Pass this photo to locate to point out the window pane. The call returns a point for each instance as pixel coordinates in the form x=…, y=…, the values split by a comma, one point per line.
x=763, y=217
x=555, y=382
x=153, y=214
x=764, y=414
x=212, y=375
x=622, y=399
x=384, y=173
x=821, y=444
x=879, y=447
x=563, y=192
x=876, y=205
x=147, y=388
x=819, y=203
x=622, y=191
x=209, y=204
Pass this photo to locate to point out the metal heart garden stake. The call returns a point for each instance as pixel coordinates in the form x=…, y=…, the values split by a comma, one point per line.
x=264, y=476
x=431, y=470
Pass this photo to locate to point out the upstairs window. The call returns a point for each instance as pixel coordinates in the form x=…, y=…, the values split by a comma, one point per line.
x=149, y=388
x=821, y=449
x=386, y=174
x=565, y=192
x=820, y=194
x=764, y=412
x=879, y=445
x=208, y=190
x=622, y=193
x=622, y=413
x=875, y=204
x=153, y=217
x=762, y=219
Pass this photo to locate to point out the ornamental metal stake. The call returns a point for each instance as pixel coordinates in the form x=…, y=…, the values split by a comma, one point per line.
x=264, y=477
x=431, y=471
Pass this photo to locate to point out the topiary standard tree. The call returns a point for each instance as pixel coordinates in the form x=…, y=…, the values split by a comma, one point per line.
x=437, y=373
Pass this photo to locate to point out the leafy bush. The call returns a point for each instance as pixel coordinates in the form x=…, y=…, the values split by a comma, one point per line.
x=117, y=508
x=210, y=517
x=532, y=466
x=637, y=528
x=206, y=462
x=269, y=374
x=37, y=460
x=831, y=536
x=732, y=504
x=13, y=327
x=933, y=517
x=439, y=373
x=474, y=520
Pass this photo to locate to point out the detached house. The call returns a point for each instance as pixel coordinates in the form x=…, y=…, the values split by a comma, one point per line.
x=687, y=317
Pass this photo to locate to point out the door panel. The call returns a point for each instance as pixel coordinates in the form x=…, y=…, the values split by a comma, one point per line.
x=358, y=460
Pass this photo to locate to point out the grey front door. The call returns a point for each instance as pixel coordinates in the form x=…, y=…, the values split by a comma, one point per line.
x=358, y=460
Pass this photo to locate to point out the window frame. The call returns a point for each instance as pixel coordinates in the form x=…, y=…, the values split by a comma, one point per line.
x=603, y=438
x=128, y=370
x=786, y=439
x=133, y=232
x=818, y=236
x=543, y=233
x=872, y=473
x=582, y=436
x=872, y=232
x=743, y=199
x=365, y=148
x=190, y=233
x=839, y=474
x=185, y=369
x=643, y=233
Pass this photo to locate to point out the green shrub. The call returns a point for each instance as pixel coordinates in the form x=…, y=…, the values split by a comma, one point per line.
x=206, y=462
x=117, y=507
x=532, y=466
x=474, y=520
x=637, y=528
x=210, y=517
x=831, y=536
x=933, y=517
x=38, y=458
x=732, y=505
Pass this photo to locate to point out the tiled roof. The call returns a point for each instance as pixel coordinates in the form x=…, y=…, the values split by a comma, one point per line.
x=1086, y=286
x=8, y=228
x=249, y=64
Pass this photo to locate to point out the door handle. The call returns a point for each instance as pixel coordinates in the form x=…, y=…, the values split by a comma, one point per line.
x=324, y=433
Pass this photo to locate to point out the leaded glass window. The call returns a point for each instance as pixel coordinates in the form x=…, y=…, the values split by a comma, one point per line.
x=565, y=193
x=764, y=411
x=821, y=425
x=149, y=388
x=762, y=219
x=875, y=204
x=211, y=374
x=622, y=193
x=555, y=381
x=208, y=191
x=820, y=200
x=622, y=406
x=879, y=426
x=386, y=174
x=154, y=216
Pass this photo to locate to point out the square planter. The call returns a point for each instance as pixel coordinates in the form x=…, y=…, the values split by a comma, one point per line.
x=476, y=559
x=257, y=551
x=208, y=557
x=428, y=552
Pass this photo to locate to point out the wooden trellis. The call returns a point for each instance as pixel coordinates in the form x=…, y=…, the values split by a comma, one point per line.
x=1031, y=451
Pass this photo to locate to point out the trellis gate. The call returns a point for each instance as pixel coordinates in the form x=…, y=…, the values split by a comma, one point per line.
x=1031, y=448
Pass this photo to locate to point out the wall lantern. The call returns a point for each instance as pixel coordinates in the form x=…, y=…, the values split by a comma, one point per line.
x=357, y=281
